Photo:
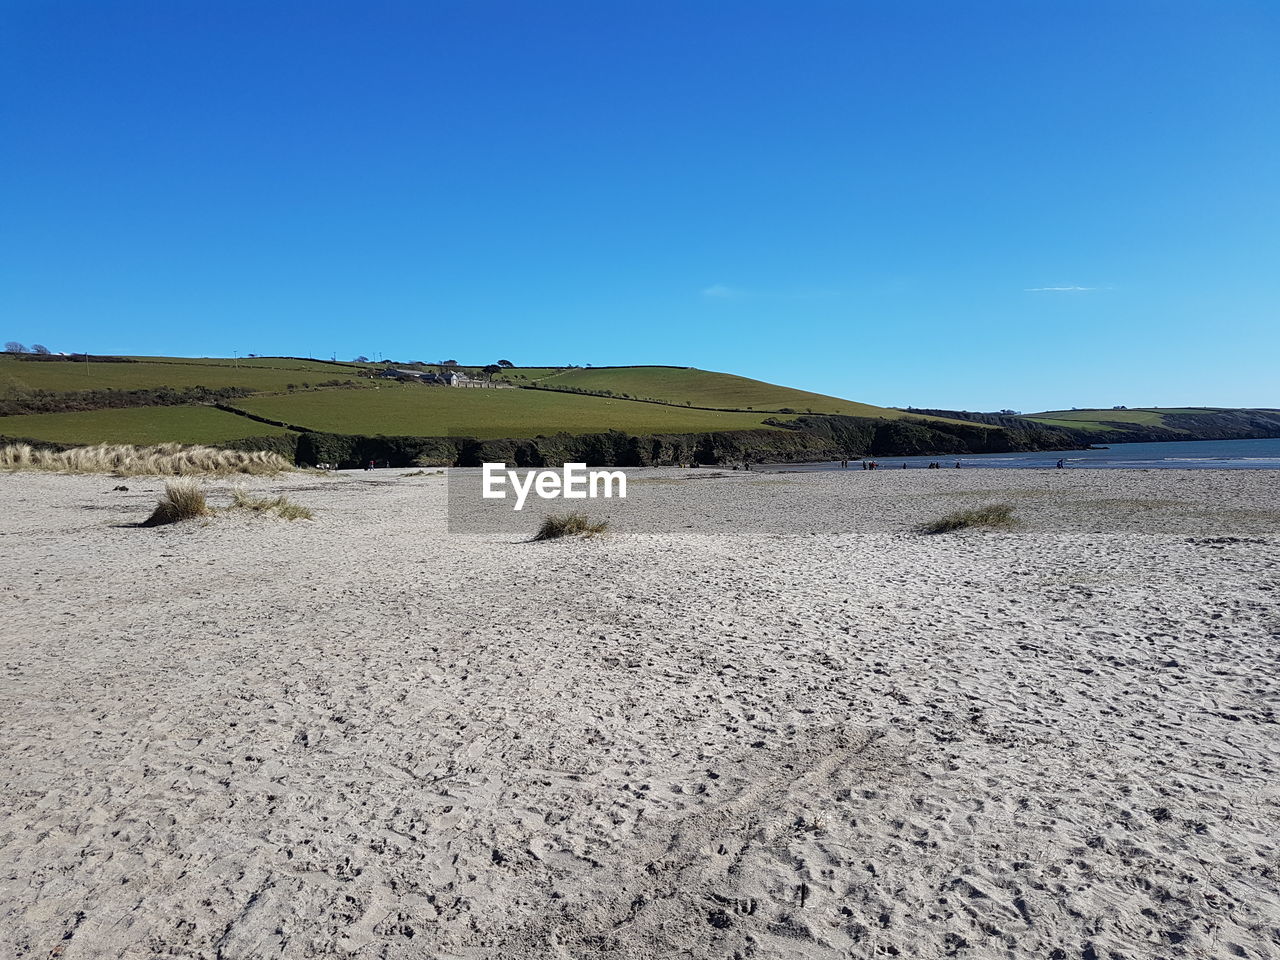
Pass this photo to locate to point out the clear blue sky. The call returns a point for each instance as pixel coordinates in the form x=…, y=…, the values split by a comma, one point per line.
x=979, y=205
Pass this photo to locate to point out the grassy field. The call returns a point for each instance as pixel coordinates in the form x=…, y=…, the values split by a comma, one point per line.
x=266, y=374
x=528, y=374
x=423, y=411
x=702, y=388
x=392, y=409
x=1099, y=420
x=137, y=425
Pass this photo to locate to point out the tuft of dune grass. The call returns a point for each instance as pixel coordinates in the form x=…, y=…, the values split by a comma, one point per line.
x=993, y=516
x=182, y=500
x=559, y=525
x=281, y=506
x=171, y=459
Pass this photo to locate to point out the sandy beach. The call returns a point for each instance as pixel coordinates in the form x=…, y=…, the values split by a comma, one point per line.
x=762, y=717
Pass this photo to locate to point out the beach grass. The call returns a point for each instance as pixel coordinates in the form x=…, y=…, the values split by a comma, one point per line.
x=560, y=525
x=169, y=459
x=992, y=516
x=281, y=506
x=182, y=500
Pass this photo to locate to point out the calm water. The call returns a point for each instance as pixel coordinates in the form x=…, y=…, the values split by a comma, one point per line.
x=1183, y=455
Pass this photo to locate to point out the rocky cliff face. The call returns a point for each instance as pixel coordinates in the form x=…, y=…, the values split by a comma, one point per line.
x=806, y=438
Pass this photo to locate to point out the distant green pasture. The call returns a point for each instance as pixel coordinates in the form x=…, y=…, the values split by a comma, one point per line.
x=1101, y=420
x=418, y=410
x=703, y=388
x=259, y=374
x=137, y=425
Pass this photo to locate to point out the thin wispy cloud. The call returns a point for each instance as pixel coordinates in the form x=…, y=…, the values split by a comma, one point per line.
x=1058, y=289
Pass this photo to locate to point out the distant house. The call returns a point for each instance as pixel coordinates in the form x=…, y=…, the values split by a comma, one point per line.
x=448, y=378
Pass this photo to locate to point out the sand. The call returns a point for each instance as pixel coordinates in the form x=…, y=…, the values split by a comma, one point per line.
x=760, y=718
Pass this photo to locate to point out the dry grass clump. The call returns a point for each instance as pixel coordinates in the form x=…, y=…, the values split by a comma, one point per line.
x=166, y=459
x=558, y=525
x=281, y=506
x=993, y=516
x=182, y=500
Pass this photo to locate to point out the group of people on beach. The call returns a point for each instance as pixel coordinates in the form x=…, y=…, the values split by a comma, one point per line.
x=874, y=465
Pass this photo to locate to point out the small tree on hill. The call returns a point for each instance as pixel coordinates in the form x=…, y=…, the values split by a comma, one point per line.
x=361, y=359
x=41, y=349
x=13, y=346
x=491, y=369
x=506, y=363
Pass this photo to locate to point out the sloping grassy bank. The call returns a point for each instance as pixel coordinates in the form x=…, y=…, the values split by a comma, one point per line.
x=1147, y=425
x=1161, y=424
x=140, y=426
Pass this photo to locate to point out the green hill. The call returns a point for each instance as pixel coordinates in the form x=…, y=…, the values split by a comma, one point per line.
x=418, y=410
x=142, y=426
x=1163, y=423
x=698, y=388
x=322, y=411
x=142, y=373
x=148, y=399
x=1110, y=419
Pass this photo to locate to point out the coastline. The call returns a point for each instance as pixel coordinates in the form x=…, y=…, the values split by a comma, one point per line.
x=1237, y=454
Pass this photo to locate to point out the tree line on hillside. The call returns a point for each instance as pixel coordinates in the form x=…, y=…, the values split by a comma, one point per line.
x=14, y=402
x=19, y=402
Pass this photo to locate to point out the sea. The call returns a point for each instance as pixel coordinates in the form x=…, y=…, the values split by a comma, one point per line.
x=1177, y=455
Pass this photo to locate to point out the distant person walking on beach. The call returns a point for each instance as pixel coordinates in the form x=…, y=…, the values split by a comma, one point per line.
x=1062, y=464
